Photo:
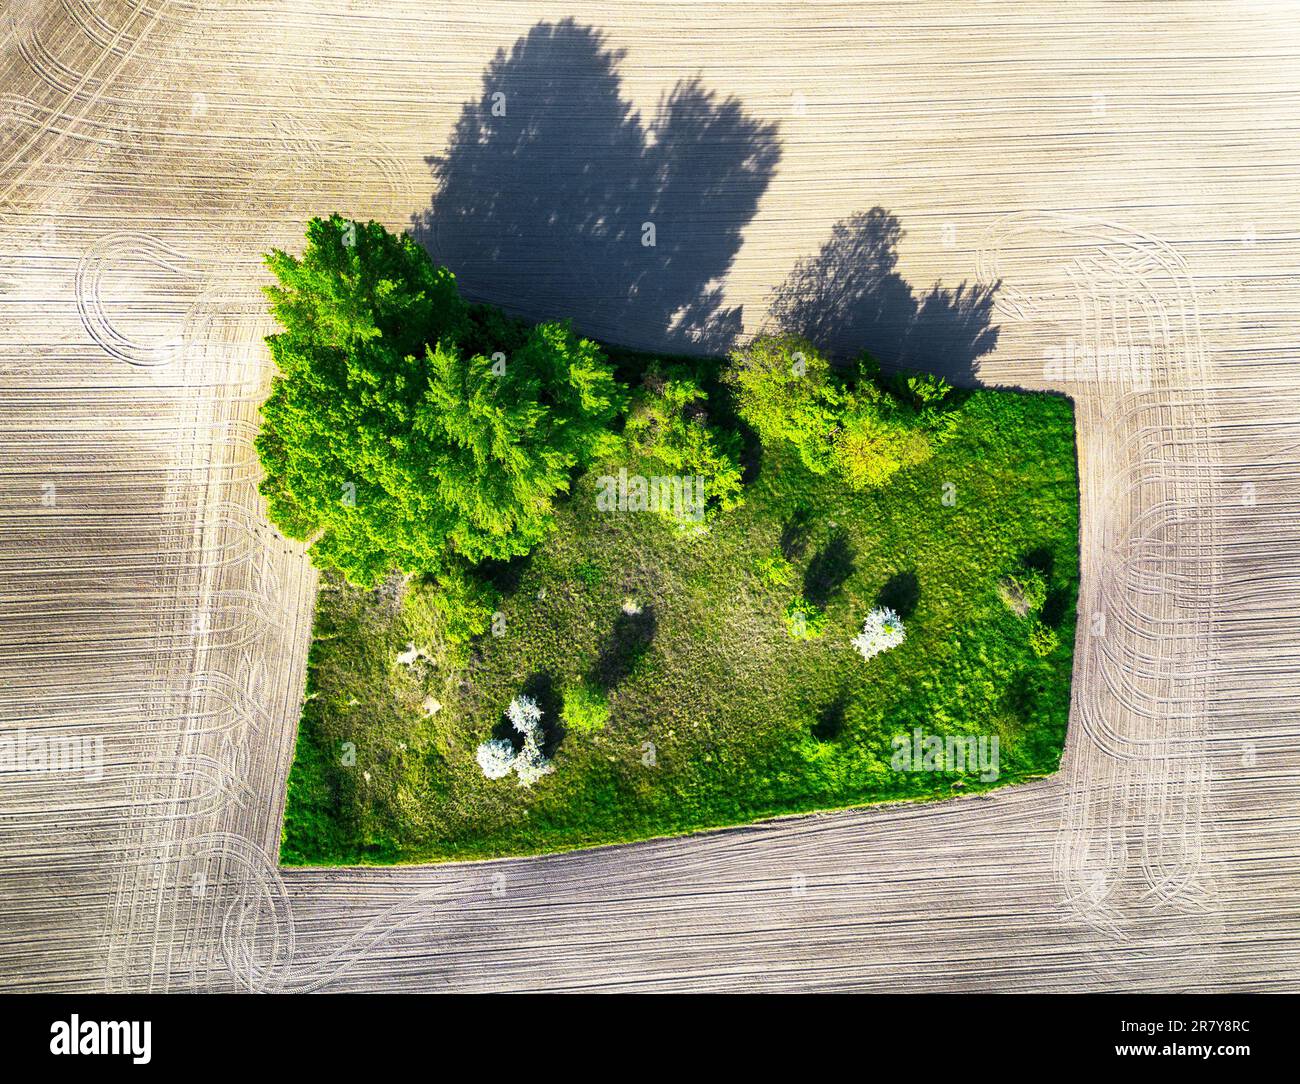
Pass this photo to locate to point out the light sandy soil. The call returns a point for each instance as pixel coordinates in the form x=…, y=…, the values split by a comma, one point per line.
x=1126, y=173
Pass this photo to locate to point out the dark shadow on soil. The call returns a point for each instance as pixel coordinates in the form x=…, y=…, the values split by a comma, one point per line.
x=1055, y=607
x=552, y=189
x=795, y=534
x=850, y=298
x=829, y=724
x=505, y=576
x=1040, y=560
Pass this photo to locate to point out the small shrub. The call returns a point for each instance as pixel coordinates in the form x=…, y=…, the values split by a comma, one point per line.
x=804, y=620
x=524, y=714
x=1042, y=640
x=1023, y=592
x=882, y=630
x=586, y=708
x=774, y=570
x=922, y=390
x=531, y=764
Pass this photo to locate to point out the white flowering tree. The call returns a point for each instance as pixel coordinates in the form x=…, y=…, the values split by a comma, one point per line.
x=882, y=630
x=498, y=758
x=524, y=714
x=530, y=765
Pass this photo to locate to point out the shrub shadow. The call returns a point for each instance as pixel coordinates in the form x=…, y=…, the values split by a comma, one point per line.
x=1041, y=560
x=626, y=645
x=830, y=567
x=901, y=593
x=795, y=534
x=829, y=723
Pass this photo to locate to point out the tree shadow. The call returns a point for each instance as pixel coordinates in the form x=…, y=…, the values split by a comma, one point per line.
x=504, y=576
x=1055, y=607
x=850, y=298
x=901, y=593
x=625, y=647
x=830, y=567
x=555, y=200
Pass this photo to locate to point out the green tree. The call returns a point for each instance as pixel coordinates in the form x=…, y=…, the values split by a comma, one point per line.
x=862, y=426
x=667, y=424
x=387, y=442
x=874, y=441
x=785, y=392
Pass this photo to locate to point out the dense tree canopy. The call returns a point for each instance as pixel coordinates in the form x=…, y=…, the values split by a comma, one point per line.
x=408, y=430
x=857, y=424
x=395, y=436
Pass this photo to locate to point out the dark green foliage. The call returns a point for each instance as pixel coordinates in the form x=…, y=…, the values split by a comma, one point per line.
x=407, y=430
x=494, y=447
x=464, y=602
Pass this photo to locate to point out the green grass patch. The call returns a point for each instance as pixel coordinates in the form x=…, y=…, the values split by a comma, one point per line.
x=695, y=706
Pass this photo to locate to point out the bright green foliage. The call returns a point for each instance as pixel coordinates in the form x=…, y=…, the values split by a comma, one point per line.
x=784, y=391
x=667, y=425
x=586, y=708
x=1024, y=592
x=391, y=445
x=774, y=570
x=357, y=283
x=804, y=620
x=1042, y=640
x=464, y=602
x=864, y=429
